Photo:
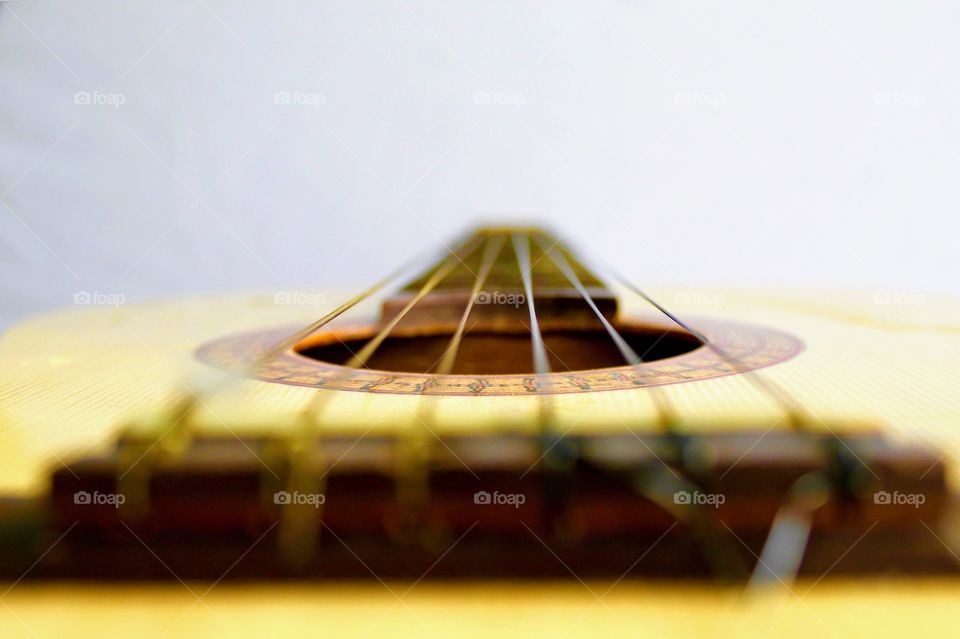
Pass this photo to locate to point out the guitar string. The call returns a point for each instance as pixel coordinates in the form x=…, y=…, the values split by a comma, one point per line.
x=295, y=526
x=783, y=550
x=414, y=453
x=665, y=410
x=179, y=418
x=178, y=433
x=796, y=414
x=541, y=363
x=782, y=554
x=717, y=549
x=521, y=249
x=357, y=360
x=361, y=358
x=414, y=450
x=558, y=455
x=315, y=326
x=491, y=251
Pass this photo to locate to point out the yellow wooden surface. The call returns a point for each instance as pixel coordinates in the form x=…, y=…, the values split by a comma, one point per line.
x=841, y=610
x=70, y=379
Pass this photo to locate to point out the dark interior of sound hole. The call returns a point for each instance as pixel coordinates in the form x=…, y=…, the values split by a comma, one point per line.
x=498, y=353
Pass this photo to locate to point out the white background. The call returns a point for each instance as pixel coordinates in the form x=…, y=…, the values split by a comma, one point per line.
x=704, y=143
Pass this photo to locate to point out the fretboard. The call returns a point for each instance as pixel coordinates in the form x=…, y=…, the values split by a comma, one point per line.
x=501, y=299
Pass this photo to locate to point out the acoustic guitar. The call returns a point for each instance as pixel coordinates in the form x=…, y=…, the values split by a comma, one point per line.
x=501, y=436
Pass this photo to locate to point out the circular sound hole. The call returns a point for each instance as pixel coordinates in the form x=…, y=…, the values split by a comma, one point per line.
x=503, y=353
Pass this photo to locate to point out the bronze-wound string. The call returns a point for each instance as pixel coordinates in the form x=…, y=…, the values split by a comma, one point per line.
x=179, y=419
x=446, y=363
x=299, y=526
x=415, y=455
x=319, y=398
x=490, y=253
x=315, y=326
x=360, y=359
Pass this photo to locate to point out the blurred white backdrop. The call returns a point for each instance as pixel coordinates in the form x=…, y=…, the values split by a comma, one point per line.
x=199, y=145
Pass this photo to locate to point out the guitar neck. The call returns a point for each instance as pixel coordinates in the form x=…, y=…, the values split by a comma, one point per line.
x=485, y=269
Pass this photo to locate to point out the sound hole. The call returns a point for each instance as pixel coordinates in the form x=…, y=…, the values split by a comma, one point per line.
x=504, y=353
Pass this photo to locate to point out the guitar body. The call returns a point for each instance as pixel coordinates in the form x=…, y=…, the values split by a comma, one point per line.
x=87, y=394
x=72, y=378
